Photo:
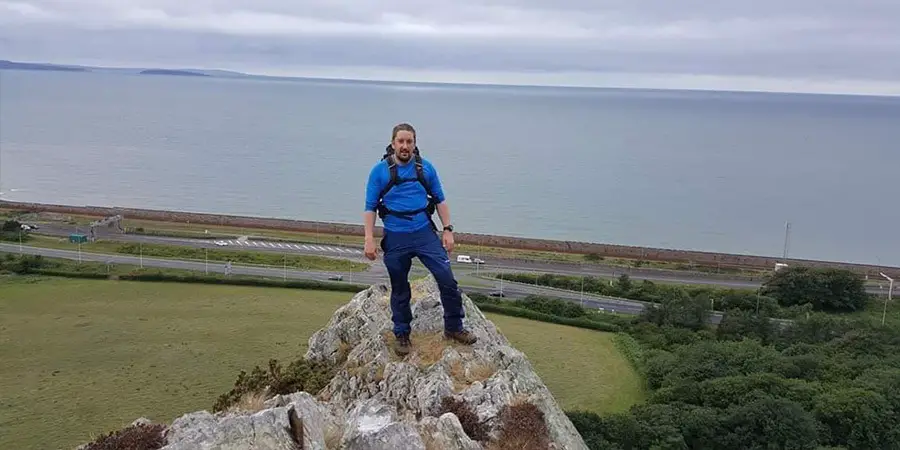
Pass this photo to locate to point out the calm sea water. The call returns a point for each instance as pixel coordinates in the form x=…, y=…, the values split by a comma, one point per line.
x=708, y=171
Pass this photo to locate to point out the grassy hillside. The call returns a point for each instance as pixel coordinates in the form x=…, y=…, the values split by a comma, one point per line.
x=82, y=357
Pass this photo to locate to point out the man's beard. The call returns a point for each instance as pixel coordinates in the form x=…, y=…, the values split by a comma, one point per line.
x=404, y=156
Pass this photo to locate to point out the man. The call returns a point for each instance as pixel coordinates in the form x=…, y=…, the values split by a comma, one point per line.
x=409, y=232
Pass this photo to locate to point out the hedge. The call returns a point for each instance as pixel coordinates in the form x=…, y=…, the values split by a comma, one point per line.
x=534, y=315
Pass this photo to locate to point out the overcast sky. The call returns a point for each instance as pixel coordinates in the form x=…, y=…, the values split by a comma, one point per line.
x=808, y=45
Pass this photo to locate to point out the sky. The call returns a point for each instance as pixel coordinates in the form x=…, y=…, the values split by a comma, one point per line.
x=835, y=46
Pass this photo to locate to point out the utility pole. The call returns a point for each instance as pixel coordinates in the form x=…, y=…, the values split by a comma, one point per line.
x=582, y=290
x=206, y=260
x=757, y=300
x=284, y=268
x=141, y=253
x=890, y=292
x=787, y=241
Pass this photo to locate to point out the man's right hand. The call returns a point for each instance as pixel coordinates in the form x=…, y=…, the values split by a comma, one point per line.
x=370, y=249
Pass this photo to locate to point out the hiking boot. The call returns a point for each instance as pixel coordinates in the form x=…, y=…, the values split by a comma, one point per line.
x=464, y=336
x=402, y=345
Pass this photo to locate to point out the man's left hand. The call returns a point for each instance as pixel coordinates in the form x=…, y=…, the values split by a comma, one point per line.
x=447, y=238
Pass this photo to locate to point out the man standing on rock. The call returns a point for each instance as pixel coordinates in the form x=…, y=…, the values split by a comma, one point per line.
x=405, y=190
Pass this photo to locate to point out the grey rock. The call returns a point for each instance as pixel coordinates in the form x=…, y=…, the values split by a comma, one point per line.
x=446, y=433
x=373, y=425
x=268, y=429
x=377, y=400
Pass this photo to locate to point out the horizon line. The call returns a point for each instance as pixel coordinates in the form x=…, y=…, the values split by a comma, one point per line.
x=236, y=74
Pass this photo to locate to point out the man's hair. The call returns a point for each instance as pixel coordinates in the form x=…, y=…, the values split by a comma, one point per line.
x=402, y=127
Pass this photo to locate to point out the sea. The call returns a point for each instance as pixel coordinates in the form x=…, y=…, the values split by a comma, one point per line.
x=714, y=171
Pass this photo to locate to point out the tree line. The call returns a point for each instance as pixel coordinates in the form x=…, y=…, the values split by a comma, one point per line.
x=788, y=293
x=821, y=381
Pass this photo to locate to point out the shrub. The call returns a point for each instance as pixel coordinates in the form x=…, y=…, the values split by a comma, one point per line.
x=476, y=430
x=300, y=375
x=522, y=427
x=134, y=437
x=630, y=348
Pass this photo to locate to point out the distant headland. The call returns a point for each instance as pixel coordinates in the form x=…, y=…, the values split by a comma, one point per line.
x=45, y=67
x=180, y=73
x=10, y=65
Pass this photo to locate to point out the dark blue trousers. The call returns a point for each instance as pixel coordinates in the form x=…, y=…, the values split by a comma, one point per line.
x=399, y=250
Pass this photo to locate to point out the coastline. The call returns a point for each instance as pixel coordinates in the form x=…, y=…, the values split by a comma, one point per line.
x=703, y=258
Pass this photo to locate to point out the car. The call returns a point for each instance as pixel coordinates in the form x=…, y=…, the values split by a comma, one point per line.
x=336, y=277
x=221, y=243
x=497, y=294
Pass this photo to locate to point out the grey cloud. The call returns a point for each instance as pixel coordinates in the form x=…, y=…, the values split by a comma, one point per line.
x=801, y=38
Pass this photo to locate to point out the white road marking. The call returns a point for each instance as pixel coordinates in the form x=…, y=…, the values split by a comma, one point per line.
x=302, y=247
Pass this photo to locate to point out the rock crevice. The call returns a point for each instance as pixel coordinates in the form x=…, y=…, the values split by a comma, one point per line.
x=443, y=395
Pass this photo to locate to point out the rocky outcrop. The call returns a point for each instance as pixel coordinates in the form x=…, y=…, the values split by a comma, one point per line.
x=443, y=395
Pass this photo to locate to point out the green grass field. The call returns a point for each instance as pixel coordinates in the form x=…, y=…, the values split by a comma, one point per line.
x=83, y=357
x=582, y=368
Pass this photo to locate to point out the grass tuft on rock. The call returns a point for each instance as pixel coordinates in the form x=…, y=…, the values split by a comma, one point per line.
x=522, y=427
x=474, y=428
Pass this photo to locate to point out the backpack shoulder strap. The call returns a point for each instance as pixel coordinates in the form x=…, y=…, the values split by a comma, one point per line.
x=392, y=168
x=420, y=174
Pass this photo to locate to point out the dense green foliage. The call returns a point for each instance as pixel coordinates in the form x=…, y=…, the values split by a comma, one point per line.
x=824, y=289
x=753, y=383
x=788, y=293
x=11, y=231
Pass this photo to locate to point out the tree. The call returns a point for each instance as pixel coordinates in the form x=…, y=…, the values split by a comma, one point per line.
x=11, y=225
x=832, y=290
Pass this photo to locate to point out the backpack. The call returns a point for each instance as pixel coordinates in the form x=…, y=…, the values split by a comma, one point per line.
x=420, y=177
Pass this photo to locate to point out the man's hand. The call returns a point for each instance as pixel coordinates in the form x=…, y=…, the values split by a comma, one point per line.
x=370, y=249
x=447, y=238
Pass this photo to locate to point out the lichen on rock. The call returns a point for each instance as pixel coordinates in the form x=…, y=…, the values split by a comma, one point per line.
x=377, y=400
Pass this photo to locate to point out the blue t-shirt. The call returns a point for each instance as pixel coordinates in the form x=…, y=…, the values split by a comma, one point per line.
x=407, y=196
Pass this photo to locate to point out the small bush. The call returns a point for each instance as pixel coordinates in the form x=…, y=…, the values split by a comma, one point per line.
x=522, y=427
x=300, y=375
x=134, y=437
x=476, y=430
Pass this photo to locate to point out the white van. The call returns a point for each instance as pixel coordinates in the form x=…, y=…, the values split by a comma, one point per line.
x=463, y=259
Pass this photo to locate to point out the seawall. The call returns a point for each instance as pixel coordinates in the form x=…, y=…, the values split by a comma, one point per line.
x=700, y=258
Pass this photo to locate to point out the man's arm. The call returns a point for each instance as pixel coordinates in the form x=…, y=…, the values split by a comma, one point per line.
x=369, y=224
x=443, y=211
x=437, y=190
x=373, y=188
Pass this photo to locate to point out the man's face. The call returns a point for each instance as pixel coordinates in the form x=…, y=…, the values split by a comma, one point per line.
x=403, y=145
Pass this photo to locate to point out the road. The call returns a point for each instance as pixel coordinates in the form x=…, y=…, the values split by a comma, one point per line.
x=356, y=254
x=493, y=265
x=510, y=290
